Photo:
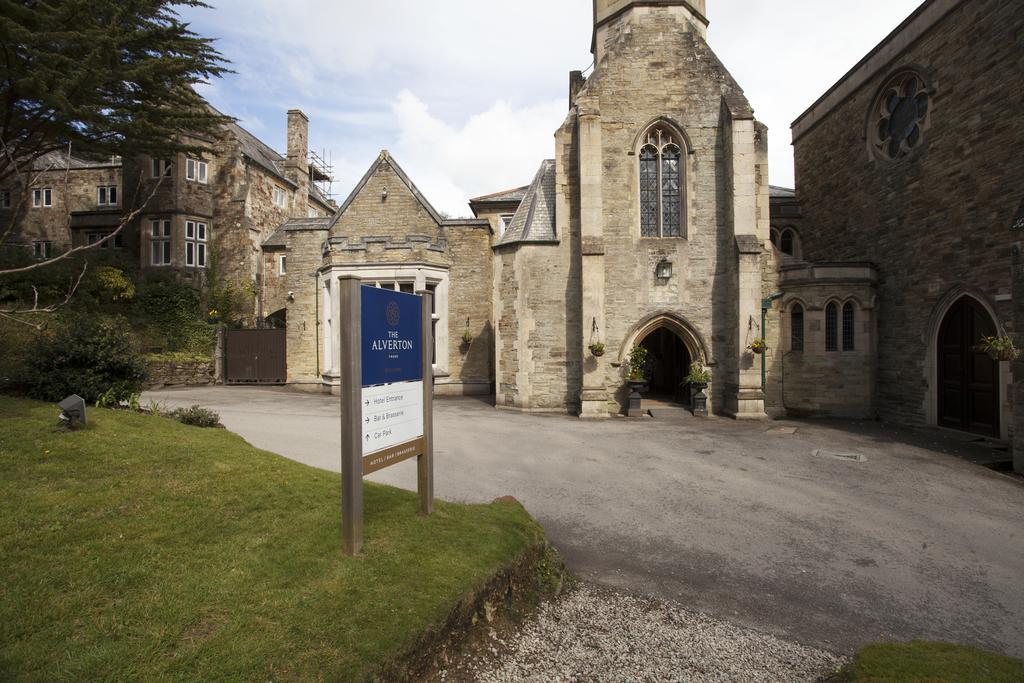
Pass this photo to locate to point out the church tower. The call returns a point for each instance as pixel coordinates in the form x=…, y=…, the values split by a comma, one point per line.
x=647, y=230
x=610, y=16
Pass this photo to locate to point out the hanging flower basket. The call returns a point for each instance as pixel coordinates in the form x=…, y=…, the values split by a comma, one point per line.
x=758, y=346
x=1000, y=348
x=597, y=349
x=467, y=337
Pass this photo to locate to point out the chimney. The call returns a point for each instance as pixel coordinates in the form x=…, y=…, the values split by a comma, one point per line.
x=297, y=164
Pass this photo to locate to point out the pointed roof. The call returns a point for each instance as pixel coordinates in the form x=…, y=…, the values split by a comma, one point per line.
x=534, y=221
x=385, y=158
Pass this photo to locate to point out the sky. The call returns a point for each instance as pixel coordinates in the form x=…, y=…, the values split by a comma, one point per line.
x=467, y=95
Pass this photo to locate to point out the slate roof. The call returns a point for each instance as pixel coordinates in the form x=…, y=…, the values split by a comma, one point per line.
x=776, y=191
x=513, y=195
x=279, y=238
x=59, y=160
x=534, y=221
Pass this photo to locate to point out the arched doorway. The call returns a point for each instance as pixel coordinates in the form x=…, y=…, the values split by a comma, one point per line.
x=968, y=379
x=668, y=362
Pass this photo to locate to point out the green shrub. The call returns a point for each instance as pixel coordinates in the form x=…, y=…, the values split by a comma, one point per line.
x=197, y=416
x=85, y=355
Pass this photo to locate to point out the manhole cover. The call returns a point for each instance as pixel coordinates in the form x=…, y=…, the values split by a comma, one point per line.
x=837, y=455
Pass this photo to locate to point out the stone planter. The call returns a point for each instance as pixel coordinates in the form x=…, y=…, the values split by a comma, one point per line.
x=698, y=399
x=634, y=408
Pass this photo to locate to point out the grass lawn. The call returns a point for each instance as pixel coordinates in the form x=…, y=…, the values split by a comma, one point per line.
x=139, y=547
x=934, y=662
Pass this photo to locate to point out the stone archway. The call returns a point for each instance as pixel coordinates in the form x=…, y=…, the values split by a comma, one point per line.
x=673, y=343
x=967, y=379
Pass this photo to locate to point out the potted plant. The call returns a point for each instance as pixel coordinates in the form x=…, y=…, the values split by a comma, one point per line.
x=1000, y=348
x=597, y=348
x=637, y=364
x=699, y=375
x=758, y=346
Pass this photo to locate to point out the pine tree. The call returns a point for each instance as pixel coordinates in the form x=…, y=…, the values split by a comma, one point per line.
x=101, y=78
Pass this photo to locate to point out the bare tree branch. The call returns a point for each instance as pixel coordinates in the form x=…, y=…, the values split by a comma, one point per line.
x=14, y=314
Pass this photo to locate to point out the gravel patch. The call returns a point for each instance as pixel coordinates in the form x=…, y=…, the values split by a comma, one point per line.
x=595, y=634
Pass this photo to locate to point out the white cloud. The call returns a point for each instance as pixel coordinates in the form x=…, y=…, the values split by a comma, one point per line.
x=494, y=150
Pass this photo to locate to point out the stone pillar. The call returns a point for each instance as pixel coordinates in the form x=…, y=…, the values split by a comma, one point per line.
x=1017, y=367
x=336, y=325
x=749, y=402
x=593, y=394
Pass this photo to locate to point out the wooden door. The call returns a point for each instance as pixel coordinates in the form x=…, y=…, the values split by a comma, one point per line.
x=968, y=378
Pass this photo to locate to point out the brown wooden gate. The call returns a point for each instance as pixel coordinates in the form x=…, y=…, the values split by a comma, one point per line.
x=968, y=378
x=255, y=356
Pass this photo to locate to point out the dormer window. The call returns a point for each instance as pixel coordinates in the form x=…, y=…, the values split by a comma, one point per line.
x=661, y=185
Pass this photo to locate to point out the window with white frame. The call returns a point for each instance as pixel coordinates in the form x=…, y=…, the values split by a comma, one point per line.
x=42, y=249
x=196, y=170
x=106, y=195
x=279, y=197
x=42, y=198
x=160, y=242
x=161, y=167
x=5, y=199
x=195, y=244
x=402, y=279
x=503, y=223
x=282, y=264
x=117, y=242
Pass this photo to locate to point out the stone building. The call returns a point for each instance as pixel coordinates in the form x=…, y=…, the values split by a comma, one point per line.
x=908, y=172
x=197, y=212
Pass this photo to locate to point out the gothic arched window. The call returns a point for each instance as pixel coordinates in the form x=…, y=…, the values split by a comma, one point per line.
x=848, y=326
x=832, y=327
x=796, y=328
x=661, y=185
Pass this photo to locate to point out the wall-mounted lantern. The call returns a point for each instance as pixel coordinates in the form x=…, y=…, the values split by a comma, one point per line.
x=663, y=271
x=384, y=194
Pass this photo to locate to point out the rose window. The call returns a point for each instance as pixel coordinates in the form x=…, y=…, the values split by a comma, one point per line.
x=901, y=116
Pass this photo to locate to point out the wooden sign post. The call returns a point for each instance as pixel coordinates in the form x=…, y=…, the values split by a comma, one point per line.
x=386, y=394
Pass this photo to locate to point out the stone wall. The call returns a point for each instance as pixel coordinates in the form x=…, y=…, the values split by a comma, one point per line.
x=180, y=372
x=936, y=221
x=71, y=190
x=470, y=366
x=304, y=344
x=814, y=381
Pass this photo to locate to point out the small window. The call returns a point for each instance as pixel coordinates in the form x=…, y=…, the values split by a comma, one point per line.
x=504, y=222
x=160, y=242
x=848, y=329
x=195, y=244
x=116, y=243
x=196, y=170
x=796, y=328
x=5, y=199
x=279, y=198
x=312, y=213
x=786, y=242
x=831, y=327
x=42, y=249
x=42, y=198
x=106, y=195
x=161, y=167
x=282, y=265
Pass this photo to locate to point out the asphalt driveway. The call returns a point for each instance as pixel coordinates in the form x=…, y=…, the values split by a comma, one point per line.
x=750, y=522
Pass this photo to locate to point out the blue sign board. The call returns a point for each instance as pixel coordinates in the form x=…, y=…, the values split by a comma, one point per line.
x=392, y=336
